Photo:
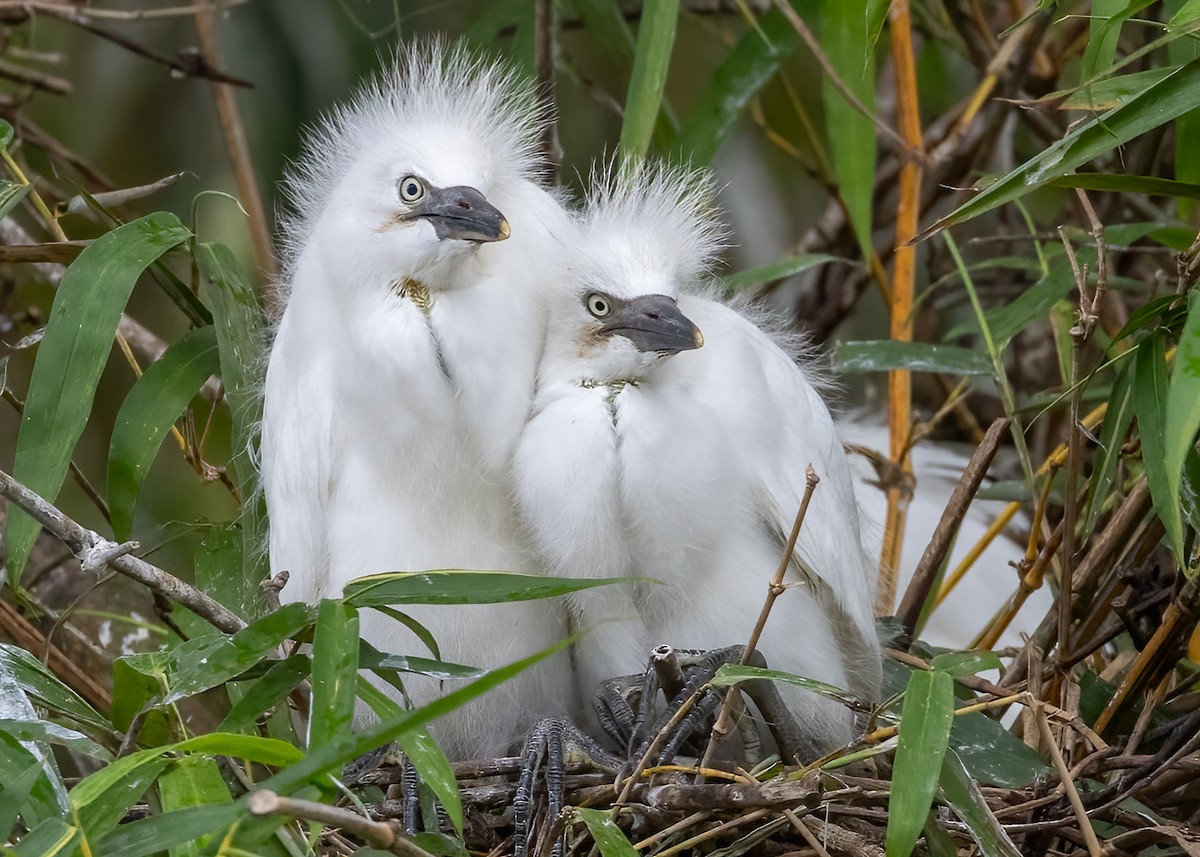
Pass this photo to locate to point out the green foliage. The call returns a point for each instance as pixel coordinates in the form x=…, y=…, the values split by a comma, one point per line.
x=1122, y=124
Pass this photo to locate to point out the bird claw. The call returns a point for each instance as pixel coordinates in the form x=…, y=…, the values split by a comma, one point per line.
x=554, y=741
x=679, y=674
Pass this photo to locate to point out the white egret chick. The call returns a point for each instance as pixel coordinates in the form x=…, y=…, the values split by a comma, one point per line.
x=403, y=364
x=649, y=455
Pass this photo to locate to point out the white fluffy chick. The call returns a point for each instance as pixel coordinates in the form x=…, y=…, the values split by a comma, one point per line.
x=651, y=456
x=404, y=361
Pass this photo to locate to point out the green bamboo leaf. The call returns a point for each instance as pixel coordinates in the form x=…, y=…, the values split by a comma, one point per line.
x=47, y=732
x=173, y=830
x=852, y=134
x=345, y=747
x=924, y=735
x=45, y=688
x=49, y=839
x=609, y=838
x=1109, y=93
x=731, y=674
x=280, y=679
x=1032, y=304
x=752, y=62
x=1184, y=25
x=882, y=355
x=1182, y=418
x=252, y=748
x=1117, y=418
x=370, y=658
x=193, y=781
x=1155, y=106
x=6, y=134
x=15, y=794
x=965, y=798
x=79, y=334
x=334, y=672
x=202, y=663
x=965, y=663
x=445, y=586
x=606, y=24
x=1108, y=17
x=100, y=800
x=11, y=195
x=1117, y=183
x=240, y=325
x=46, y=796
x=218, y=569
x=787, y=266
x=651, y=61
x=426, y=756
x=147, y=414
x=1149, y=404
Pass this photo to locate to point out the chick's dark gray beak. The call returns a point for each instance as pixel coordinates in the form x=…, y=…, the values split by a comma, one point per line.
x=653, y=323
x=463, y=213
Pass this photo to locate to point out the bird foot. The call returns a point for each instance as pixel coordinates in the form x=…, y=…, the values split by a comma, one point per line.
x=557, y=743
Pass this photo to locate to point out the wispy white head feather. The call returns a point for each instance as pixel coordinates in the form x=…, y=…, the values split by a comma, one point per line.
x=439, y=112
x=645, y=236
x=656, y=222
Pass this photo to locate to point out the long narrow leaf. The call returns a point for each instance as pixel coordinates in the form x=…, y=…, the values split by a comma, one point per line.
x=240, y=326
x=1149, y=403
x=886, y=354
x=79, y=334
x=334, y=672
x=968, y=803
x=422, y=751
x=461, y=587
x=753, y=61
x=844, y=38
x=1155, y=106
x=924, y=734
x=146, y=415
x=1183, y=401
x=651, y=60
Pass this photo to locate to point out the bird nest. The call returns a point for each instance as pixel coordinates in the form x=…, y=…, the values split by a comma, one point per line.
x=1047, y=783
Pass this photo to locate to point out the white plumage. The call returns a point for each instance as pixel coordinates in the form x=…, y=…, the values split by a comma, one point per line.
x=688, y=468
x=989, y=582
x=403, y=364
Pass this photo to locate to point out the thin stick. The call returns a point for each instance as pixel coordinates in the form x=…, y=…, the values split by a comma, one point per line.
x=774, y=590
x=239, y=155
x=86, y=545
x=1085, y=823
x=922, y=581
x=903, y=284
x=544, y=50
x=378, y=834
x=805, y=833
x=806, y=35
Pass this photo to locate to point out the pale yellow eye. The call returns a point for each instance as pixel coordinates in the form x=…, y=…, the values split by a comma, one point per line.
x=411, y=189
x=598, y=305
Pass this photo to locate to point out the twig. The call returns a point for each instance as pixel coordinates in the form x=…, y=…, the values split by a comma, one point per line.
x=1085, y=823
x=191, y=65
x=386, y=835
x=902, y=291
x=774, y=589
x=83, y=542
x=239, y=155
x=544, y=51
x=956, y=509
x=1081, y=332
x=123, y=14
x=806, y=35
